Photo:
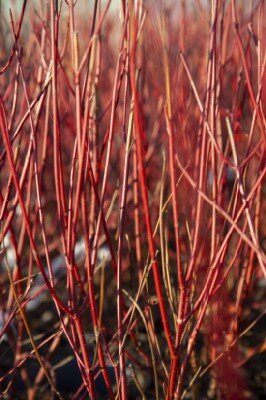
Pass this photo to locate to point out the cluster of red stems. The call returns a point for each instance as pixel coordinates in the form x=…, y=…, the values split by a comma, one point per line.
x=141, y=128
